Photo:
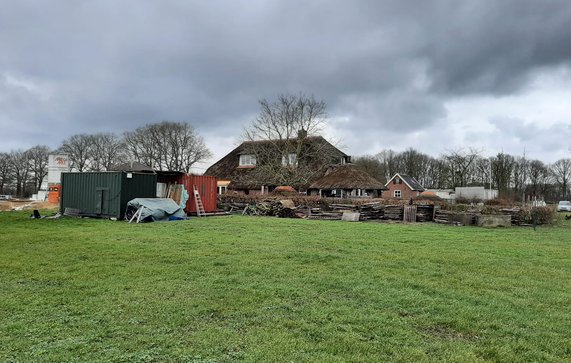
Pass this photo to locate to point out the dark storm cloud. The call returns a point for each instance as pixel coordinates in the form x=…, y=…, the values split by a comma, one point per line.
x=387, y=65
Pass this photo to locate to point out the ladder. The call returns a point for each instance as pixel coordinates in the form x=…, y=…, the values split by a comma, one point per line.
x=200, y=212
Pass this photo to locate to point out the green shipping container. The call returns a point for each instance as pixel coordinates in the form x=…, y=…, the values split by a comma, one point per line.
x=104, y=194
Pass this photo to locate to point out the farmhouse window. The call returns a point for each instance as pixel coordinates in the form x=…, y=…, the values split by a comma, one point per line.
x=397, y=194
x=289, y=160
x=247, y=160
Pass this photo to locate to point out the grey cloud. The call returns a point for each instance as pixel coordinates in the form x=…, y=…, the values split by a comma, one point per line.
x=388, y=65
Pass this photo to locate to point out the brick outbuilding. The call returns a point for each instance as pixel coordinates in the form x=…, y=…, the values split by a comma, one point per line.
x=402, y=186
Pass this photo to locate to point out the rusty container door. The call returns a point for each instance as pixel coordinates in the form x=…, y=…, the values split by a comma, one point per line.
x=207, y=188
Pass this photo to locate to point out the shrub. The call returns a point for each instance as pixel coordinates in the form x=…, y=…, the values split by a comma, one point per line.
x=537, y=215
x=499, y=202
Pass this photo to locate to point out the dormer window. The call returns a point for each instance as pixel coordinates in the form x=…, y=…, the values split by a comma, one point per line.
x=247, y=160
x=289, y=160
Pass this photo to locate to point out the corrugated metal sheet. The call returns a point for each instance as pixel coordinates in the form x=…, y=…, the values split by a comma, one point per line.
x=104, y=194
x=207, y=189
x=206, y=185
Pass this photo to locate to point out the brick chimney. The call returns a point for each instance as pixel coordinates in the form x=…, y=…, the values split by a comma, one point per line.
x=302, y=134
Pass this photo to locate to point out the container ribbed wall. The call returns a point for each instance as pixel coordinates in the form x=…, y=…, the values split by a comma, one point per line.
x=104, y=194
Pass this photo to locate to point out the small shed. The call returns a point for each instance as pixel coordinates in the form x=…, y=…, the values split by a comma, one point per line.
x=104, y=194
x=346, y=181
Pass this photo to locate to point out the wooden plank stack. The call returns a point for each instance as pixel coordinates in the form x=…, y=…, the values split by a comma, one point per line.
x=424, y=213
x=394, y=212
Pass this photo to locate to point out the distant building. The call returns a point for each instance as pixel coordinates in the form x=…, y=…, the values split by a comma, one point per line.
x=346, y=181
x=480, y=193
x=402, y=186
x=238, y=170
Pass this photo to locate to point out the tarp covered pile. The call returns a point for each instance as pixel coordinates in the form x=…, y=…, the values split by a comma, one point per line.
x=153, y=209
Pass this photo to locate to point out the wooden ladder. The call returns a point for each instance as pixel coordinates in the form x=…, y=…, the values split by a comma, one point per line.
x=200, y=212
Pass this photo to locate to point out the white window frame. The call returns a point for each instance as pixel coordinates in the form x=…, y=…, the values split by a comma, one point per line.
x=247, y=160
x=290, y=160
x=399, y=193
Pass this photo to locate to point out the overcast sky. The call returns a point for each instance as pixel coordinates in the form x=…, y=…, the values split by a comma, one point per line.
x=432, y=75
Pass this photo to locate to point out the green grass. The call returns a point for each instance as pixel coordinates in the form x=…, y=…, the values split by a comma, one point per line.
x=226, y=289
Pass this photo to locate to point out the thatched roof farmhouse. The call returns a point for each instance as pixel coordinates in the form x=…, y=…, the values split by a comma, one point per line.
x=346, y=181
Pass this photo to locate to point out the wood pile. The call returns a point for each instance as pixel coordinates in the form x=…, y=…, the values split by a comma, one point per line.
x=334, y=211
x=317, y=213
x=394, y=212
x=515, y=213
x=441, y=216
x=270, y=207
x=371, y=211
x=424, y=213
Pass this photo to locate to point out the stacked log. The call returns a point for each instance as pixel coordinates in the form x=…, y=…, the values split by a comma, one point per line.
x=371, y=211
x=271, y=207
x=394, y=212
x=424, y=213
x=441, y=216
x=515, y=213
x=321, y=215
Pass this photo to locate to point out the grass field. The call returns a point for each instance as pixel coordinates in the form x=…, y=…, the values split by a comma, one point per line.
x=226, y=289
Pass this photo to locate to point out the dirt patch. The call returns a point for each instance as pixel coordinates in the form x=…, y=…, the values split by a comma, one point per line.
x=6, y=205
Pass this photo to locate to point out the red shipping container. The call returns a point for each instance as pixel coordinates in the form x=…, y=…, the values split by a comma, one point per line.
x=206, y=185
x=207, y=188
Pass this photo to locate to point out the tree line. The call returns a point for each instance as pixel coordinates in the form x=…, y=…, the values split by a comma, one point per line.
x=166, y=145
x=515, y=177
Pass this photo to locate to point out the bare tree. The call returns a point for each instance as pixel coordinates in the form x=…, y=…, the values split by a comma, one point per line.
x=285, y=117
x=106, y=150
x=38, y=159
x=20, y=170
x=481, y=171
x=437, y=174
x=5, y=172
x=502, y=169
x=372, y=166
x=166, y=146
x=284, y=141
x=538, y=178
x=78, y=149
x=391, y=162
x=459, y=163
x=520, y=177
x=561, y=172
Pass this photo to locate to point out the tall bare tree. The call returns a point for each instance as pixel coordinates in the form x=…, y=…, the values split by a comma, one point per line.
x=391, y=162
x=459, y=163
x=38, y=159
x=78, y=149
x=106, y=150
x=20, y=166
x=284, y=140
x=5, y=172
x=538, y=178
x=166, y=146
x=561, y=172
x=502, y=169
x=372, y=166
x=520, y=177
x=284, y=118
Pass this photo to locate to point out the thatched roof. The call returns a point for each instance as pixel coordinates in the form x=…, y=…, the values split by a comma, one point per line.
x=347, y=176
x=228, y=167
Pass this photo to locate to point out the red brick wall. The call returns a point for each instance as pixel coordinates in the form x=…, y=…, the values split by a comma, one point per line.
x=406, y=193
